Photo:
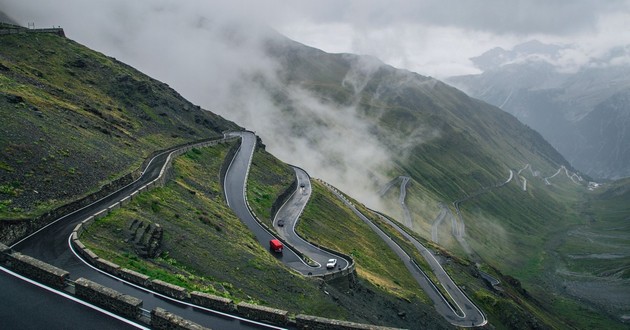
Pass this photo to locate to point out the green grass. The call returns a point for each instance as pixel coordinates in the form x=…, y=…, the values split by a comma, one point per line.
x=268, y=178
x=112, y=118
x=326, y=221
x=205, y=246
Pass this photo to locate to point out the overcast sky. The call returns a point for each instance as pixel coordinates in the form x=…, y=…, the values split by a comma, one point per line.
x=432, y=37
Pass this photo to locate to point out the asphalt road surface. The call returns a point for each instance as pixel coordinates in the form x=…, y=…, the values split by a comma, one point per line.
x=51, y=245
x=235, y=180
x=290, y=211
x=26, y=305
x=465, y=313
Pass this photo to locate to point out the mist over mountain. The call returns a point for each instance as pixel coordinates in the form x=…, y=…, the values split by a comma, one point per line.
x=575, y=101
x=359, y=123
x=4, y=18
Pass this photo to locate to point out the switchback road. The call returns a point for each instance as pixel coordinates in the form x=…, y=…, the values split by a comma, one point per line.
x=465, y=313
x=51, y=245
x=235, y=185
x=290, y=213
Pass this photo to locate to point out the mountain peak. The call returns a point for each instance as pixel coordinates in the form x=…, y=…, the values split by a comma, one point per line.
x=530, y=50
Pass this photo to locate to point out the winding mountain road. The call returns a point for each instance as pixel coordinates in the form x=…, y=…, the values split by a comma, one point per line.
x=51, y=245
x=404, y=181
x=235, y=185
x=465, y=313
x=290, y=212
x=437, y=221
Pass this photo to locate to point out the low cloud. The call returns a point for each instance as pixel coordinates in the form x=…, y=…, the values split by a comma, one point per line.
x=200, y=49
x=215, y=59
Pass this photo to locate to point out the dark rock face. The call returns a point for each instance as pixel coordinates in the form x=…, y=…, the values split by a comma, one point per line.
x=146, y=238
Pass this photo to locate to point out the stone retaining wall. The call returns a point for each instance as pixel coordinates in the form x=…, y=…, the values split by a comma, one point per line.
x=262, y=313
x=107, y=298
x=4, y=250
x=12, y=231
x=320, y=323
x=170, y=290
x=134, y=277
x=37, y=270
x=161, y=319
x=107, y=266
x=284, y=196
x=213, y=302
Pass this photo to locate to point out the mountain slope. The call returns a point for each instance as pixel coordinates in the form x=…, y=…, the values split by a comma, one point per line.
x=498, y=180
x=540, y=85
x=340, y=108
x=422, y=121
x=74, y=119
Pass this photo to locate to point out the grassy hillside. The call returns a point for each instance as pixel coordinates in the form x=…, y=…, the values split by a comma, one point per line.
x=205, y=246
x=591, y=260
x=74, y=119
x=268, y=179
x=326, y=221
x=454, y=147
x=450, y=142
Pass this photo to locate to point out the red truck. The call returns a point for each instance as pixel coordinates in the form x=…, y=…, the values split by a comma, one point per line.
x=275, y=245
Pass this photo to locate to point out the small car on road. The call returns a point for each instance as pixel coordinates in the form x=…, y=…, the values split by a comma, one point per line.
x=331, y=263
x=281, y=223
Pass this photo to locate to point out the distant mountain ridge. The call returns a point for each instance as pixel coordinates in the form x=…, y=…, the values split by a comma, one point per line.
x=540, y=85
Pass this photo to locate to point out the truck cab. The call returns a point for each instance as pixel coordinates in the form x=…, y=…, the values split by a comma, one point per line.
x=275, y=245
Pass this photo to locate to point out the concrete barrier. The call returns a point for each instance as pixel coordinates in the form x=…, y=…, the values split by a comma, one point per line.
x=170, y=290
x=107, y=298
x=161, y=319
x=262, y=313
x=125, y=201
x=106, y=266
x=213, y=302
x=320, y=323
x=134, y=277
x=98, y=215
x=78, y=229
x=89, y=221
x=37, y=270
x=79, y=245
x=4, y=251
x=114, y=206
x=87, y=253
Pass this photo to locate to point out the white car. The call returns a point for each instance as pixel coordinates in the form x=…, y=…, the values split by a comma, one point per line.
x=331, y=263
